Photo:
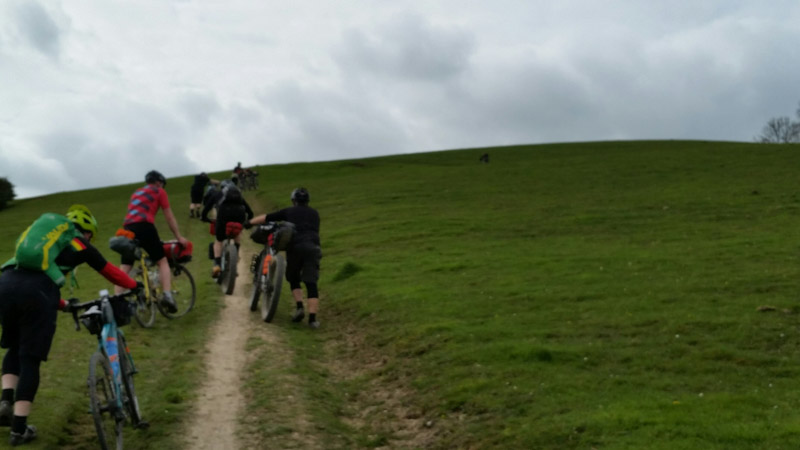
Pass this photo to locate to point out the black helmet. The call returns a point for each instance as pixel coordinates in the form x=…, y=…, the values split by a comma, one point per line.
x=154, y=176
x=300, y=196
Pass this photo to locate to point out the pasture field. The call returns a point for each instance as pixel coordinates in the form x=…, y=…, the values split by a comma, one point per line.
x=609, y=295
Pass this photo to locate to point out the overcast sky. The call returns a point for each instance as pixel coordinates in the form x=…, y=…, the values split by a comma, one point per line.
x=98, y=92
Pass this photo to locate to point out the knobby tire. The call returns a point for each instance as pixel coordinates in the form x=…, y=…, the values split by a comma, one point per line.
x=255, y=292
x=231, y=259
x=184, y=292
x=130, y=400
x=103, y=402
x=272, y=287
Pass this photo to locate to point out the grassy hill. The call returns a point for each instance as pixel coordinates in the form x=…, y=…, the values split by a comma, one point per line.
x=563, y=296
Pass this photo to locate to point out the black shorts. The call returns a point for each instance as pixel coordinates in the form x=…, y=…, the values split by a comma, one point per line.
x=147, y=236
x=302, y=263
x=197, y=194
x=28, y=311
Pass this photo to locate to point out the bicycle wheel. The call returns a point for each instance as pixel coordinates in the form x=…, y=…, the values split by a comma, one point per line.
x=129, y=398
x=255, y=292
x=145, y=308
x=107, y=420
x=230, y=257
x=272, y=287
x=184, y=292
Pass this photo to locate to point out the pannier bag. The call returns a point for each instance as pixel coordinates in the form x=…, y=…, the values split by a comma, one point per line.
x=279, y=237
x=283, y=236
x=123, y=310
x=123, y=243
x=176, y=252
x=233, y=229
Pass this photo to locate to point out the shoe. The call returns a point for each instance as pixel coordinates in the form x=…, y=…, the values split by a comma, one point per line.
x=215, y=271
x=314, y=324
x=298, y=315
x=23, y=438
x=6, y=413
x=168, y=302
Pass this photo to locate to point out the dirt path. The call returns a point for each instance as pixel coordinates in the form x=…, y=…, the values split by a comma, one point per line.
x=239, y=339
x=217, y=408
x=218, y=411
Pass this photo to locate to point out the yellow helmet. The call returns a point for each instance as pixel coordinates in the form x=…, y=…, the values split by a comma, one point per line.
x=82, y=217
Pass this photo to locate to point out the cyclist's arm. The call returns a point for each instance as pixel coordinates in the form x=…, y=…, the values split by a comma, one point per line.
x=81, y=251
x=173, y=225
x=248, y=211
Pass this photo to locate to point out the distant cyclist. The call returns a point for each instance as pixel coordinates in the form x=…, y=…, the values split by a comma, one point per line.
x=142, y=208
x=231, y=207
x=304, y=253
x=29, y=299
x=197, y=191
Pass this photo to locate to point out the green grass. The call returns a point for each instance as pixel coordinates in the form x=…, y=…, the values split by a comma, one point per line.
x=563, y=296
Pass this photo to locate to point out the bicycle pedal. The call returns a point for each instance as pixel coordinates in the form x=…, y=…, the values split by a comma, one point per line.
x=142, y=425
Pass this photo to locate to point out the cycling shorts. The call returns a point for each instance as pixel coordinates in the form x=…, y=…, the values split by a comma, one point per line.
x=197, y=194
x=28, y=311
x=147, y=236
x=302, y=263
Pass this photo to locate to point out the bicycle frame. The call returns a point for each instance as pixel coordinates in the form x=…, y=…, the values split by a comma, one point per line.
x=107, y=342
x=146, y=276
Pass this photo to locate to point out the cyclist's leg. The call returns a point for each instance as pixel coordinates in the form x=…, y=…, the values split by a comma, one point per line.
x=310, y=276
x=219, y=238
x=127, y=269
x=33, y=299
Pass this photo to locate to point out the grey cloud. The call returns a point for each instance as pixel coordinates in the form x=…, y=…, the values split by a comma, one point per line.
x=199, y=108
x=118, y=140
x=408, y=47
x=332, y=123
x=38, y=28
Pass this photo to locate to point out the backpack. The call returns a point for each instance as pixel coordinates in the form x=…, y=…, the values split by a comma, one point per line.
x=39, y=245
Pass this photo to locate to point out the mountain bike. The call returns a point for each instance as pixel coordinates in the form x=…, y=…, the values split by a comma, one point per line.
x=230, y=258
x=146, y=271
x=269, y=266
x=112, y=394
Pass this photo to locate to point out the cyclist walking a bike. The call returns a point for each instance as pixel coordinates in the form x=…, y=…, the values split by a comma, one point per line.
x=30, y=298
x=144, y=204
x=197, y=191
x=231, y=207
x=304, y=252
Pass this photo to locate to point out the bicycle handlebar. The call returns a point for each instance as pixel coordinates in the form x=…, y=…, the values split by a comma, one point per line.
x=75, y=307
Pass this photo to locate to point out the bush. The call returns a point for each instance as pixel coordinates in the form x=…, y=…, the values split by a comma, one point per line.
x=6, y=192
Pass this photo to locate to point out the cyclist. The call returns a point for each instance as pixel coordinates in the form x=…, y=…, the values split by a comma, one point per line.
x=196, y=192
x=231, y=207
x=144, y=204
x=29, y=300
x=304, y=253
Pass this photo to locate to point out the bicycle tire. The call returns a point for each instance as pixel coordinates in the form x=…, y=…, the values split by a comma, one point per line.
x=129, y=399
x=272, y=288
x=184, y=292
x=145, y=308
x=230, y=255
x=255, y=292
x=103, y=402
